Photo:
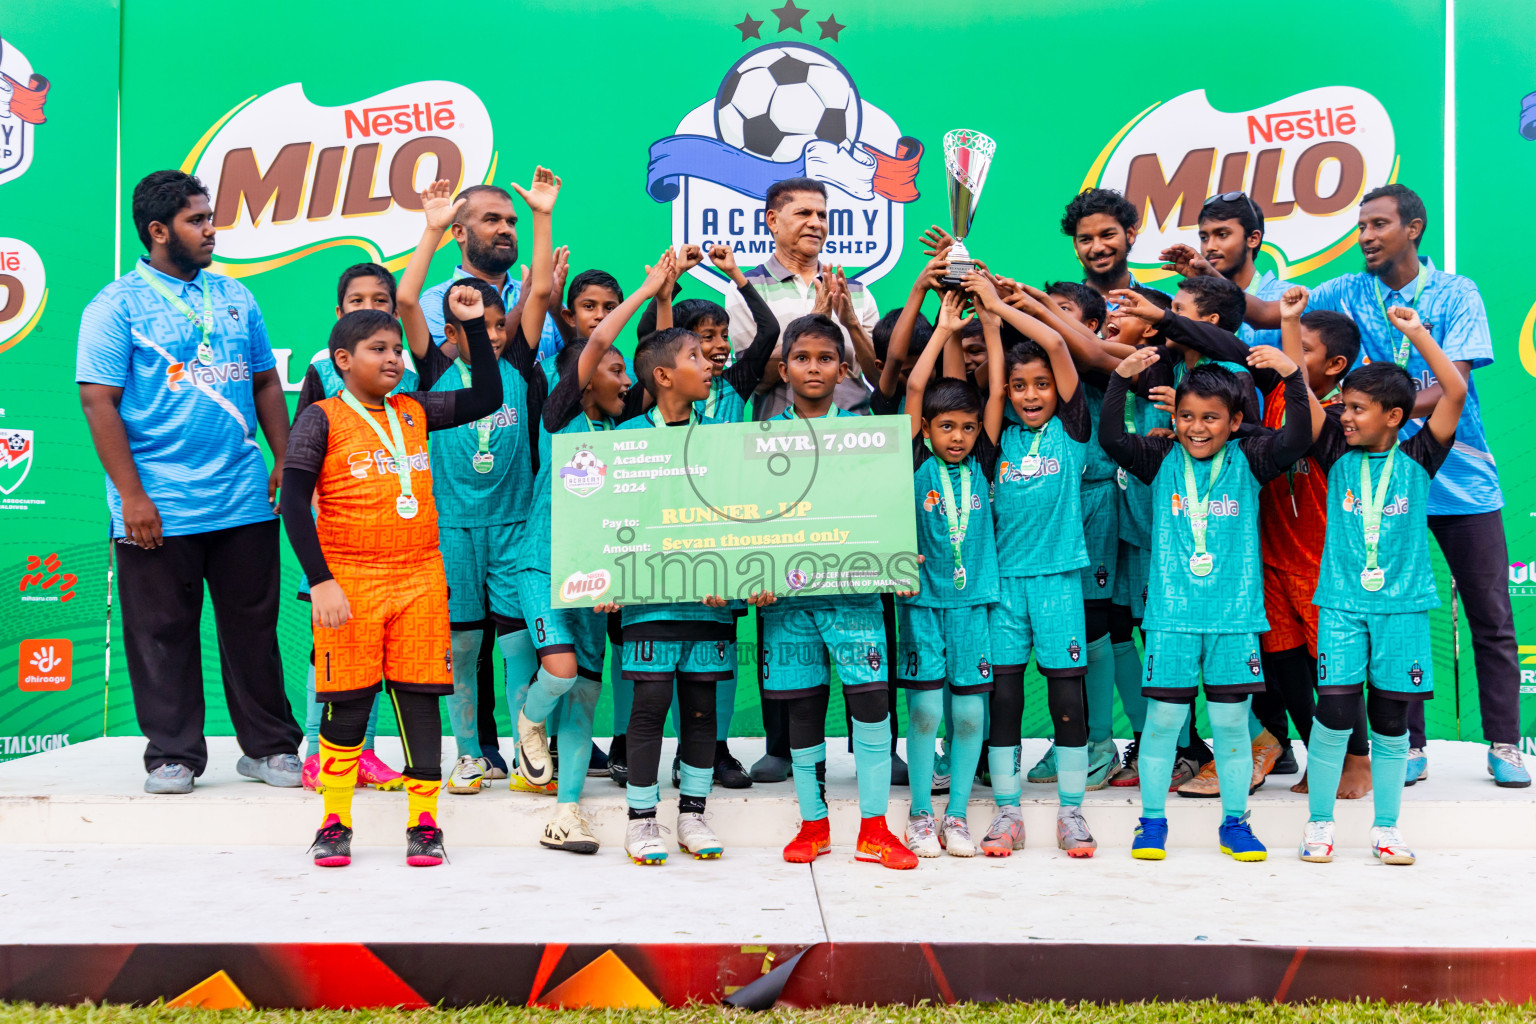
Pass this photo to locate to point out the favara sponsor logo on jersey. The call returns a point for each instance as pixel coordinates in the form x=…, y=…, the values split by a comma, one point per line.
x=382, y=462
x=195, y=374
x=1222, y=506
x=1398, y=507
x=933, y=501
x=787, y=110
x=1305, y=160
x=23, y=291
x=290, y=177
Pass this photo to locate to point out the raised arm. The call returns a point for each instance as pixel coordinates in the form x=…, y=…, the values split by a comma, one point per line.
x=1140, y=456
x=906, y=323
x=540, y=197
x=607, y=332
x=1453, y=386
x=1185, y=261
x=949, y=326
x=1272, y=453
x=1292, y=305
x=749, y=368
x=439, y=208
x=1090, y=351
x=1062, y=366
x=847, y=313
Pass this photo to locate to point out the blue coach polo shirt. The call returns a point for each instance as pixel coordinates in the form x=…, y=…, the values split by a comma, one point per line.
x=1270, y=288
x=550, y=339
x=1451, y=307
x=191, y=425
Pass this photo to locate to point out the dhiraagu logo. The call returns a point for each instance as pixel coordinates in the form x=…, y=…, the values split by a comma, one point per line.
x=290, y=177
x=1305, y=160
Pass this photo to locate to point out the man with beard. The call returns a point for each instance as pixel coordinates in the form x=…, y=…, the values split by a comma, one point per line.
x=1464, y=498
x=1231, y=232
x=486, y=230
x=175, y=371
x=1102, y=225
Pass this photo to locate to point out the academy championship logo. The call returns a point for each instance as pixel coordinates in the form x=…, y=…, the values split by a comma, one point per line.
x=787, y=110
x=585, y=586
x=584, y=474
x=23, y=289
x=21, y=110
x=289, y=177
x=1305, y=160
x=15, y=458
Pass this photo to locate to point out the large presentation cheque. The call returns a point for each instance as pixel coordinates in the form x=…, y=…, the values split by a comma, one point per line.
x=680, y=513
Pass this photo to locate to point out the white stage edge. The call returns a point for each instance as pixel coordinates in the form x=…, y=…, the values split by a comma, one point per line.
x=92, y=793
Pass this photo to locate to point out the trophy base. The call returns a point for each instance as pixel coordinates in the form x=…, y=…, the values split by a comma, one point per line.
x=954, y=277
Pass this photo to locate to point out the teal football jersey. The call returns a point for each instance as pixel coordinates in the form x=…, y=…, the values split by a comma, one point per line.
x=978, y=548
x=1037, y=498
x=1408, y=579
x=466, y=495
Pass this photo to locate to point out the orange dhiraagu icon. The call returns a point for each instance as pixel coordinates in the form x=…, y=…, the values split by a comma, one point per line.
x=43, y=665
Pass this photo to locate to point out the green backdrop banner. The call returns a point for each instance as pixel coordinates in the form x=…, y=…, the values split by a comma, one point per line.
x=313, y=143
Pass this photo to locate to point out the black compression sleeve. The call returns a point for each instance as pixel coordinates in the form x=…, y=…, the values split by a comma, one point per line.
x=298, y=490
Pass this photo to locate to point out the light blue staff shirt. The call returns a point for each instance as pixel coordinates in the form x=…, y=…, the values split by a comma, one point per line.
x=1452, y=308
x=191, y=427
x=550, y=339
x=1270, y=288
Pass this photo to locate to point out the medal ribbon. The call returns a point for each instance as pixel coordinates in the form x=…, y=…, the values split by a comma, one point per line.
x=484, y=424
x=1371, y=504
x=1197, y=509
x=1401, y=355
x=959, y=521
x=205, y=322
x=393, y=442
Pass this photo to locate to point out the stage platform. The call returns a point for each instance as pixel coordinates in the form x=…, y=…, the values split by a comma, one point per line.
x=110, y=894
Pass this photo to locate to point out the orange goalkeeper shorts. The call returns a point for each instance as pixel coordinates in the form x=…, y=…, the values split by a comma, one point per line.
x=398, y=631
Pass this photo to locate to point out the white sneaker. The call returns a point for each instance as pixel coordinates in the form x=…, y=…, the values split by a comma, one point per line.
x=955, y=837
x=642, y=841
x=533, y=761
x=923, y=835
x=696, y=837
x=568, y=830
x=467, y=775
x=1317, y=842
x=1387, y=845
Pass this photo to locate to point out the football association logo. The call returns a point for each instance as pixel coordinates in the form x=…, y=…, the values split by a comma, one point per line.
x=15, y=458
x=787, y=110
x=584, y=474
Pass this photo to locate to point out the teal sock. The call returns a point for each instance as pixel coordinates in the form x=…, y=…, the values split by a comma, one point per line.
x=1128, y=684
x=725, y=707
x=463, y=717
x=949, y=726
x=1389, y=754
x=1234, y=753
x=1100, y=687
x=313, y=711
x=1006, y=782
x=623, y=701
x=573, y=730
x=924, y=709
x=519, y=662
x=970, y=711
x=1071, y=774
x=1254, y=727
x=641, y=798
x=373, y=724
x=696, y=781
x=546, y=690
x=813, y=802
x=1325, y=766
x=872, y=762
x=1159, y=743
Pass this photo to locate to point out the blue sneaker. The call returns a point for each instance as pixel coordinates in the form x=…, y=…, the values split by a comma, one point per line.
x=1506, y=767
x=1151, y=839
x=1417, y=769
x=1238, y=840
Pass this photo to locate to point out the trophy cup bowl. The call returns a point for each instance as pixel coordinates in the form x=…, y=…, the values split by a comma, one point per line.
x=967, y=157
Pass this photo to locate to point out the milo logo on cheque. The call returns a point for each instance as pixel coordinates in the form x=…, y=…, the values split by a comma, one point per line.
x=588, y=586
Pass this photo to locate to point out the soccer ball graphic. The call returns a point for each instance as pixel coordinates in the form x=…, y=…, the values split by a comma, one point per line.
x=586, y=462
x=779, y=97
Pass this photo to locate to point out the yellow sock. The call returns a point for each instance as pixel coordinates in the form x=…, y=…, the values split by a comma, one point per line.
x=338, y=778
x=421, y=800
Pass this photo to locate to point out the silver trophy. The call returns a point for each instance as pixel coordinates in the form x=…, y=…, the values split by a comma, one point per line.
x=967, y=156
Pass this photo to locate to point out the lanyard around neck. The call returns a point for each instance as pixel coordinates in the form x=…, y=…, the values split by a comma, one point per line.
x=204, y=322
x=1198, y=510
x=394, y=443
x=1401, y=355
x=1371, y=504
x=959, y=519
